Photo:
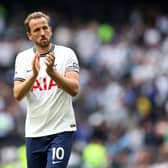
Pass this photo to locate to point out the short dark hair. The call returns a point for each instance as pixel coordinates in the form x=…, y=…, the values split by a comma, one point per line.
x=35, y=15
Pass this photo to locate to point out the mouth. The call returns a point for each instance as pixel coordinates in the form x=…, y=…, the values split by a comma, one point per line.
x=43, y=39
x=44, y=42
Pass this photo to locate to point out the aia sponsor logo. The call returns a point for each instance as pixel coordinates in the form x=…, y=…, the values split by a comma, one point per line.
x=43, y=85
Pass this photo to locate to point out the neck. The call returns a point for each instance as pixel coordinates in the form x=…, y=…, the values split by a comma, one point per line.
x=43, y=50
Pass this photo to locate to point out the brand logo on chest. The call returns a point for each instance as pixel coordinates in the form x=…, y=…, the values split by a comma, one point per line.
x=43, y=84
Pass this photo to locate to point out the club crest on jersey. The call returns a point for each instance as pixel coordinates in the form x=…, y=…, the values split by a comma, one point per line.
x=42, y=85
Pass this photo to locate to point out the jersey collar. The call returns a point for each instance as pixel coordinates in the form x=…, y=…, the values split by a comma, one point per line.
x=44, y=54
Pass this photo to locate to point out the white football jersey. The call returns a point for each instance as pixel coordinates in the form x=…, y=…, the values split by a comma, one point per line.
x=49, y=108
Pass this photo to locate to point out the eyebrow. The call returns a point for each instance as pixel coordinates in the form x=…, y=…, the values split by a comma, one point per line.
x=43, y=27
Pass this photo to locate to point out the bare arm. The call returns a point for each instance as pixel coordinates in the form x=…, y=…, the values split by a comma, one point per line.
x=21, y=88
x=69, y=82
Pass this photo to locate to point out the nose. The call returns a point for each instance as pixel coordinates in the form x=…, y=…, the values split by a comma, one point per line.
x=42, y=32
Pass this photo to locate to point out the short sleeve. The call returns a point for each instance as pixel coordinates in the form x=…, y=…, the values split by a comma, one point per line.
x=72, y=62
x=20, y=68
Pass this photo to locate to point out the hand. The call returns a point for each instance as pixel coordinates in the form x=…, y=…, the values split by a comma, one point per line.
x=36, y=64
x=49, y=61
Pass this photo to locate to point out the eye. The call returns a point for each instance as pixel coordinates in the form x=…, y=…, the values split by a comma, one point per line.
x=37, y=29
x=45, y=27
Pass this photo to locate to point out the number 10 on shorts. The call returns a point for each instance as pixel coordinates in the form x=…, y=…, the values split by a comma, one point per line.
x=57, y=154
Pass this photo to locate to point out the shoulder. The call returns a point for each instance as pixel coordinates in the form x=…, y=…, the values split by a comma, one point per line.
x=64, y=49
x=25, y=53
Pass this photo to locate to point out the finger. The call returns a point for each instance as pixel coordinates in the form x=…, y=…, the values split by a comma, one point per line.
x=46, y=62
x=49, y=60
x=52, y=55
x=37, y=55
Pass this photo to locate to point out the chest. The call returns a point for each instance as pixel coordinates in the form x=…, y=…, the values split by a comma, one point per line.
x=43, y=81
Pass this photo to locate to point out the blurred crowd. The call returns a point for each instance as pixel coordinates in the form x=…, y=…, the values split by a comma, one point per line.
x=122, y=108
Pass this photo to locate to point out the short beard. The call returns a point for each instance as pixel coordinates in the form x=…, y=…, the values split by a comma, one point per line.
x=43, y=45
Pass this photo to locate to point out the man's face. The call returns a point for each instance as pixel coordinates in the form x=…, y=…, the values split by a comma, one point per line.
x=40, y=32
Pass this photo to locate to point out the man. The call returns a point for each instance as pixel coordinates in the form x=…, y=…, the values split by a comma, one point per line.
x=48, y=76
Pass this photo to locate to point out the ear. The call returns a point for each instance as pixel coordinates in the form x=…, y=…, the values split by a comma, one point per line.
x=29, y=35
x=50, y=29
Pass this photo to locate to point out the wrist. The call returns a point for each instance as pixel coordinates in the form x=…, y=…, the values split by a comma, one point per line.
x=33, y=76
x=51, y=72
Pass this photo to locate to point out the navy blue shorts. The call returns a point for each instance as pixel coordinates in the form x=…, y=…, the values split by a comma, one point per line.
x=51, y=151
